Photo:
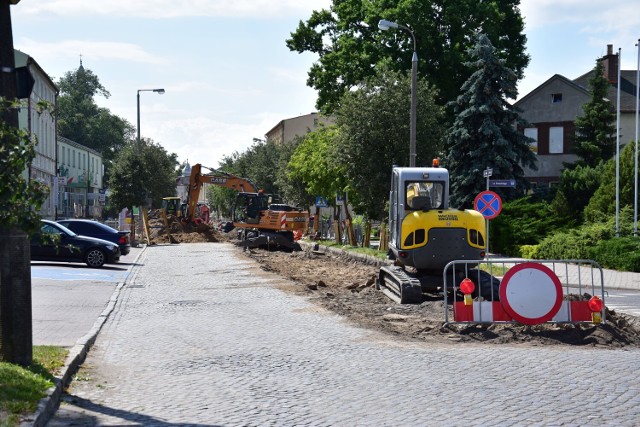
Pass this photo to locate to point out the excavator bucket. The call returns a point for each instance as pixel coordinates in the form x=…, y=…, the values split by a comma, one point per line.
x=270, y=240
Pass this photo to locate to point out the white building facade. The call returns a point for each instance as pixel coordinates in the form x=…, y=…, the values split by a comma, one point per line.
x=80, y=182
x=40, y=125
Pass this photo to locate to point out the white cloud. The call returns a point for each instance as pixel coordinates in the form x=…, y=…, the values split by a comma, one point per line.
x=206, y=141
x=607, y=16
x=94, y=49
x=173, y=8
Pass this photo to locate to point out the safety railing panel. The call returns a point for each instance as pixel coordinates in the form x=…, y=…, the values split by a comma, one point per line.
x=524, y=291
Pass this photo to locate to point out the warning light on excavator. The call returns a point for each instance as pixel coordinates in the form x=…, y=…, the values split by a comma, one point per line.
x=595, y=304
x=436, y=162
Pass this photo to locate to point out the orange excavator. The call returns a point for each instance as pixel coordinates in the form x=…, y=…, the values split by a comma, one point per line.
x=262, y=219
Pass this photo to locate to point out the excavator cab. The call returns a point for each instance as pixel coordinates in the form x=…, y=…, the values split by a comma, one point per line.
x=172, y=206
x=249, y=208
x=425, y=234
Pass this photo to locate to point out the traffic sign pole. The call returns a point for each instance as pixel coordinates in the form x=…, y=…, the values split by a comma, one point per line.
x=488, y=172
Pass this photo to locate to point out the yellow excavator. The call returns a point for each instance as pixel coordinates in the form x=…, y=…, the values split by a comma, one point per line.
x=425, y=234
x=262, y=219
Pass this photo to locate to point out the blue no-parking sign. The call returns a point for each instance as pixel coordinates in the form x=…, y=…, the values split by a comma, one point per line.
x=488, y=204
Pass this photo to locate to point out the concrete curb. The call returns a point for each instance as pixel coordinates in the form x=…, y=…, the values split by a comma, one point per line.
x=345, y=254
x=49, y=404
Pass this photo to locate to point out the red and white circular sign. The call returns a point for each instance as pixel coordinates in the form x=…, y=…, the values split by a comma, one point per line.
x=531, y=293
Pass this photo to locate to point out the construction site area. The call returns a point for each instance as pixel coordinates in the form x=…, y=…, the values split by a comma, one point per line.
x=345, y=284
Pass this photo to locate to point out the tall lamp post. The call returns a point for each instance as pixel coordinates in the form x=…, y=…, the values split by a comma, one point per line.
x=385, y=25
x=160, y=91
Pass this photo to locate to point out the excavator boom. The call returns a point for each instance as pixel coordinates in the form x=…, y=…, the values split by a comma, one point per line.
x=220, y=178
x=261, y=217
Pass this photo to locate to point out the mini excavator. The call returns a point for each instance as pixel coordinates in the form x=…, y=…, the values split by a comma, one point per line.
x=425, y=234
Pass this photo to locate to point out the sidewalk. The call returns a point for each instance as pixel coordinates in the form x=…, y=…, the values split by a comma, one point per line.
x=573, y=274
x=76, y=327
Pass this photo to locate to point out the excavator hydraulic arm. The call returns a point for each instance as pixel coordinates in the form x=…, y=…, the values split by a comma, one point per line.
x=223, y=179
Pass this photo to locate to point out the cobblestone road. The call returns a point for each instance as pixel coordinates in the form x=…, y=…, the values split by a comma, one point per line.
x=201, y=336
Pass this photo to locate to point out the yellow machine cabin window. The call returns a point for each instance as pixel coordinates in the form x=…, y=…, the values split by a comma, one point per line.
x=424, y=195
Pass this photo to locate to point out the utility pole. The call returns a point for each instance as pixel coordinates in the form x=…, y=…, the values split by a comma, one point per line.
x=15, y=252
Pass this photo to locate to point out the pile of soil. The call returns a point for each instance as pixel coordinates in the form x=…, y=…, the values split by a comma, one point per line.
x=184, y=234
x=345, y=285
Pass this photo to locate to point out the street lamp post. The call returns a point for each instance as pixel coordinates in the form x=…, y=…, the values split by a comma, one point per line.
x=385, y=25
x=160, y=91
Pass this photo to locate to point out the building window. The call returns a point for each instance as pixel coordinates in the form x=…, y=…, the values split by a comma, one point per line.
x=533, y=134
x=556, y=140
x=556, y=98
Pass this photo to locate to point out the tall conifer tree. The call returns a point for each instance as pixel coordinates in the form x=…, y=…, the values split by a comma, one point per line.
x=485, y=131
x=595, y=129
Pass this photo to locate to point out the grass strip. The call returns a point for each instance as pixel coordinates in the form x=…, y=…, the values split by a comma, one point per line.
x=22, y=388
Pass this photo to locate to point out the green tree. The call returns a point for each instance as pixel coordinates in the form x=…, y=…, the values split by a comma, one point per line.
x=313, y=163
x=577, y=185
x=20, y=198
x=221, y=199
x=603, y=203
x=293, y=190
x=350, y=46
x=484, y=133
x=258, y=163
x=595, y=128
x=374, y=135
x=132, y=182
x=81, y=120
x=524, y=221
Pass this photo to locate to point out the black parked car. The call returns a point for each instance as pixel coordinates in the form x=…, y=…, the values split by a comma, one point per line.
x=70, y=247
x=87, y=227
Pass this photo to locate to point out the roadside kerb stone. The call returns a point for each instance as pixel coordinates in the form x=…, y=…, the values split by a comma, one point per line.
x=47, y=405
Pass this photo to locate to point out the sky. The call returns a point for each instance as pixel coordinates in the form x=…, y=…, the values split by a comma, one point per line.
x=227, y=73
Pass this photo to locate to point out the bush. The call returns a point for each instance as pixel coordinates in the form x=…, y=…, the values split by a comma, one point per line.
x=598, y=242
x=618, y=254
x=528, y=251
x=576, y=243
x=522, y=222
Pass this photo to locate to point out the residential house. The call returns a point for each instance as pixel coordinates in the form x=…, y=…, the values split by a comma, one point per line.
x=552, y=108
x=286, y=130
x=41, y=125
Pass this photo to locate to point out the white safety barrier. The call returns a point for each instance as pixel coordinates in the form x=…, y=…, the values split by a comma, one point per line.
x=524, y=291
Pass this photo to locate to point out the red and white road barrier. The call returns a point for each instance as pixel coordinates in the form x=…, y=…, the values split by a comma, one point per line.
x=530, y=293
x=493, y=311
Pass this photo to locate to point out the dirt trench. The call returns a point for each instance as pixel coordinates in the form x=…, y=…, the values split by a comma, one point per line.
x=344, y=285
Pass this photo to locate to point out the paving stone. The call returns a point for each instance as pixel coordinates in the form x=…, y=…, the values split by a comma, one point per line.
x=209, y=340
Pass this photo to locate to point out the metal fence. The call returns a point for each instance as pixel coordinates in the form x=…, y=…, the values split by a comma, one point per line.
x=525, y=291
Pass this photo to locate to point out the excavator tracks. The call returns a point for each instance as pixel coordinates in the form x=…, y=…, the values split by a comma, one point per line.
x=396, y=284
